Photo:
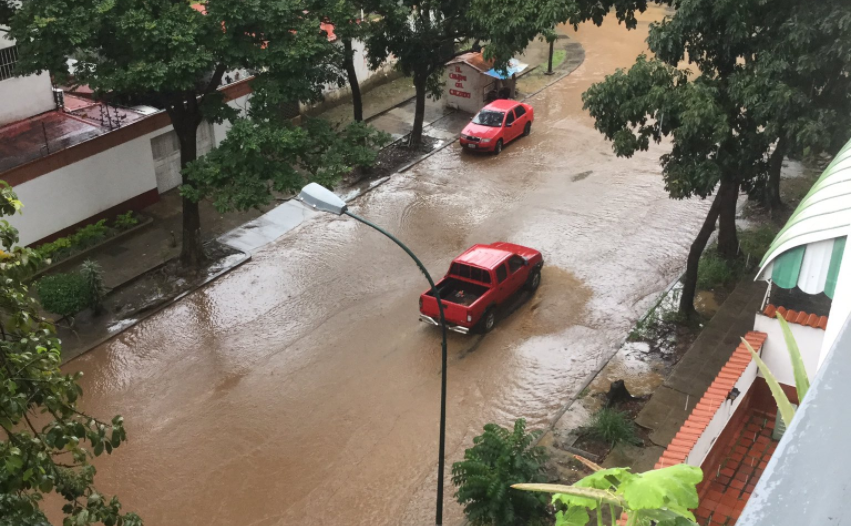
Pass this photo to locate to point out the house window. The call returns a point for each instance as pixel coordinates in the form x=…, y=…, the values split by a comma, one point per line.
x=8, y=59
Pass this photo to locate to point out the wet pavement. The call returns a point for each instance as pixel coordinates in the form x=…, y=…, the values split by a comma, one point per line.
x=301, y=390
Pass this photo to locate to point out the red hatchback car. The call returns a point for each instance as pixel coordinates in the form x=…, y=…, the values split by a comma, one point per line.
x=497, y=124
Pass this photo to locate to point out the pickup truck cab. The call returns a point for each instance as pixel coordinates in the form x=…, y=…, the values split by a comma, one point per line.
x=480, y=280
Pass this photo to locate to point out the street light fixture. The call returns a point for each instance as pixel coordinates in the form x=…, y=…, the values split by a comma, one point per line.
x=320, y=198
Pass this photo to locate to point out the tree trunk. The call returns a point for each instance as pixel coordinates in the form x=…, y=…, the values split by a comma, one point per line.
x=775, y=165
x=728, y=239
x=349, y=64
x=419, y=113
x=550, y=60
x=192, y=252
x=696, y=250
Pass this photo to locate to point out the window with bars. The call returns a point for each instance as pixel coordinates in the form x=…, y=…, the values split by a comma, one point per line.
x=8, y=59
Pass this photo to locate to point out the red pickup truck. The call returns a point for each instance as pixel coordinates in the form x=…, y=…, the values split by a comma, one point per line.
x=479, y=281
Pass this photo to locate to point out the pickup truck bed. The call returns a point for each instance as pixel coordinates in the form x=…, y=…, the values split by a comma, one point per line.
x=460, y=292
x=478, y=282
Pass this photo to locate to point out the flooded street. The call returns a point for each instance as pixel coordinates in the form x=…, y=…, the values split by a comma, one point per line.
x=300, y=389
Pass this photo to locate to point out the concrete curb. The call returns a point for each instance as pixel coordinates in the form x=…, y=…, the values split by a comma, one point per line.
x=162, y=306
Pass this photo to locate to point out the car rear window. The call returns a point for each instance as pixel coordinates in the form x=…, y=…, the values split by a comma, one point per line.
x=473, y=273
x=520, y=111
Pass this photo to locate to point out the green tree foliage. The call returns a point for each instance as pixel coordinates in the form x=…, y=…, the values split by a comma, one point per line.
x=498, y=459
x=47, y=443
x=423, y=36
x=719, y=143
x=168, y=54
x=798, y=84
x=258, y=158
x=662, y=497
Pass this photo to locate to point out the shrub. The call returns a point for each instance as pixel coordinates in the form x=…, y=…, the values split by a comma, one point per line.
x=93, y=275
x=755, y=242
x=83, y=238
x=64, y=294
x=713, y=271
x=498, y=459
x=126, y=221
x=612, y=427
x=90, y=234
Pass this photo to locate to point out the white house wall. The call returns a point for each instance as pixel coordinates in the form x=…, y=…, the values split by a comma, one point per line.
x=776, y=355
x=74, y=193
x=220, y=131
x=23, y=97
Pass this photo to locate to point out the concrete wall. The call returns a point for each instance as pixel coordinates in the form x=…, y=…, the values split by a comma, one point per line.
x=334, y=95
x=74, y=193
x=716, y=426
x=22, y=97
x=220, y=131
x=776, y=355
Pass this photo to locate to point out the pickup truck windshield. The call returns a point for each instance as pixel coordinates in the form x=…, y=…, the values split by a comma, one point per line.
x=489, y=118
x=473, y=273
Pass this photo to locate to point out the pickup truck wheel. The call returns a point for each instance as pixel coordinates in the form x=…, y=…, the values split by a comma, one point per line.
x=498, y=147
x=488, y=321
x=534, y=280
x=527, y=130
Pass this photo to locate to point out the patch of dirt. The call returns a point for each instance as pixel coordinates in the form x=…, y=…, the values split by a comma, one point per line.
x=601, y=450
x=390, y=159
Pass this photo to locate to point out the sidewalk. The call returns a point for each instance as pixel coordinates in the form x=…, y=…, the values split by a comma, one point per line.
x=672, y=402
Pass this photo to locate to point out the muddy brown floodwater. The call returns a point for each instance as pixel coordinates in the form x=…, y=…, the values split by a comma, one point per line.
x=301, y=390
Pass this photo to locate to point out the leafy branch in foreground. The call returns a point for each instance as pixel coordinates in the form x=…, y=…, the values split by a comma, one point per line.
x=662, y=497
x=802, y=381
x=47, y=442
x=499, y=458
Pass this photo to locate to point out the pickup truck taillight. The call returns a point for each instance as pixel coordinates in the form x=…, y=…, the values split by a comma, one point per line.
x=469, y=318
x=421, y=303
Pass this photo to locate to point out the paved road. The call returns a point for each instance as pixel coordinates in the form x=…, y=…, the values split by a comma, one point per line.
x=301, y=390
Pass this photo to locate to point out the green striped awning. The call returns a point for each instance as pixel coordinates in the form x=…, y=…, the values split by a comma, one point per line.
x=813, y=268
x=807, y=252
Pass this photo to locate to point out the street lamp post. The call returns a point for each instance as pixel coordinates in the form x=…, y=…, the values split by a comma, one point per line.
x=320, y=198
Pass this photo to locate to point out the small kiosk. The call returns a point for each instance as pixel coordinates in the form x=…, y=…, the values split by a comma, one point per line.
x=471, y=82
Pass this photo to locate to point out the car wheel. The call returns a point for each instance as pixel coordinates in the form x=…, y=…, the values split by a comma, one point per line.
x=527, y=130
x=534, y=280
x=488, y=321
x=498, y=147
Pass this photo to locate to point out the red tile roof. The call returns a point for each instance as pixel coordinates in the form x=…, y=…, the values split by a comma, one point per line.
x=705, y=410
x=801, y=318
x=474, y=59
